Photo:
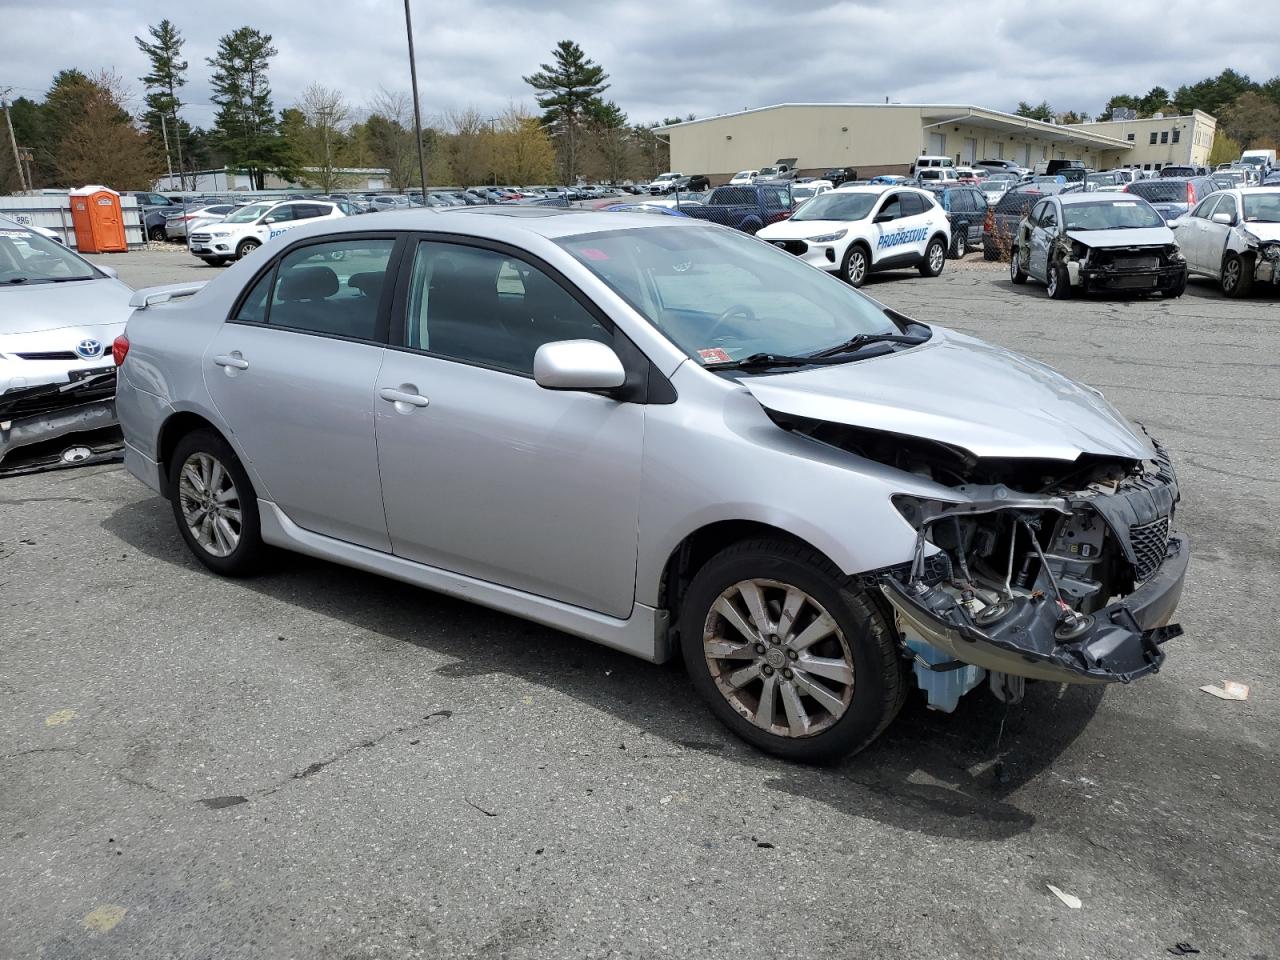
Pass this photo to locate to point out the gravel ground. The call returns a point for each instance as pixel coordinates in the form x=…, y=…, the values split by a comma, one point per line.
x=318, y=763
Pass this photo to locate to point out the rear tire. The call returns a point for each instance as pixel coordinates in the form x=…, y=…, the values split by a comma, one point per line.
x=1016, y=273
x=158, y=234
x=214, y=505
x=808, y=715
x=1237, y=276
x=958, y=245
x=935, y=258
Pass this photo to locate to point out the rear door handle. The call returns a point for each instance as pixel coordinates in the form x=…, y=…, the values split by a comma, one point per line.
x=233, y=360
x=406, y=394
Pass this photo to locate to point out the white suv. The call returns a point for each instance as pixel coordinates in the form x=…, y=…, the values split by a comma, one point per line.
x=855, y=231
x=250, y=227
x=664, y=183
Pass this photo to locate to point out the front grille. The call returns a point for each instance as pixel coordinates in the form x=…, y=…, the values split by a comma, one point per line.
x=1147, y=262
x=200, y=237
x=49, y=355
x=798, y=247
x=1149, y=541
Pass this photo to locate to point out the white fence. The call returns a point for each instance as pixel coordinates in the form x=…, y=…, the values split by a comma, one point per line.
x=54, y=213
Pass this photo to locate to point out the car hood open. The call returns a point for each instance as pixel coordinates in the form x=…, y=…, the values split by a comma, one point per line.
x=963, y=392
x=37, y=307
x=1130, y=237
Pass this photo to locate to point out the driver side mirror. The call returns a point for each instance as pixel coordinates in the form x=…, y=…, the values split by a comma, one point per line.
x=578, y=365
x=882, y=217
x=1225, y=219
x=111, y=272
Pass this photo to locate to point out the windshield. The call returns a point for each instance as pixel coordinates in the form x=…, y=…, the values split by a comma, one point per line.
x=1262, y=208
x=837, y=206
x=766, y=172
x=248, y=214
x=27, y=257
x=722, y=296
x=1111, y=215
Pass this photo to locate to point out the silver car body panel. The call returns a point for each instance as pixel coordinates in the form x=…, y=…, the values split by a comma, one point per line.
x=571, y=525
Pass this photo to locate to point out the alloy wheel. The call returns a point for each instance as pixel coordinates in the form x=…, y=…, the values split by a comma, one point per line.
x=857, y=267
x=937, y=256
x=1231, y=274
x=210, y=504
x=778, y=657
x=1051, y=282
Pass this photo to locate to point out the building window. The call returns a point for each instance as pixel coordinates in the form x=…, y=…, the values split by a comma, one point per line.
x=1164, y=136
x=1129, y=137
x=1146, y=166
x=1153, y=137
x=1177, y=135
x=1159, y=165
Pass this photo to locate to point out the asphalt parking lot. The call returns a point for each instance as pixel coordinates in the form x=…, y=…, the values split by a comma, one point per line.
x=319, y=763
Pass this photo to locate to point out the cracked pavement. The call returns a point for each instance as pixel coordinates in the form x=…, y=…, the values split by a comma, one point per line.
x=319, y=763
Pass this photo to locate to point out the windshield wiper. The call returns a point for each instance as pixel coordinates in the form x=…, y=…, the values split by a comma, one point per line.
x=854, y=344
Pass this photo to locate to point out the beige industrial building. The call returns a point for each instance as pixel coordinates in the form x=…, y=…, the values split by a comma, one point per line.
x=885, y=138
x=1159, y=141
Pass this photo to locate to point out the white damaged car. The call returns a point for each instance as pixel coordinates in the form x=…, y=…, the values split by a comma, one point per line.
x=59, y=314
x=1233, y=237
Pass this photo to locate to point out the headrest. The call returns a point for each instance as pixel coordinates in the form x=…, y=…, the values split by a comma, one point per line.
x=308, y=283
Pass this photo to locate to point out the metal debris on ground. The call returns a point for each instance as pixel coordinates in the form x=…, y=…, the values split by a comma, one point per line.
x=1230, y=690
x=1074, y=902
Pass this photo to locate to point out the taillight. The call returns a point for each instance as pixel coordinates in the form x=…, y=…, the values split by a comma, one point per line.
x=119, y=349
x=1191, y=194
x=780, y=216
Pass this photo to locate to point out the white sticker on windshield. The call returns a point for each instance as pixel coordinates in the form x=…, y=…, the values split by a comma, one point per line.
x=1124, y=203
x=14, y=233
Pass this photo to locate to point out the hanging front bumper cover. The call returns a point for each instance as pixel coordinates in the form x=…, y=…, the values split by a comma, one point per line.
x=1024, y=636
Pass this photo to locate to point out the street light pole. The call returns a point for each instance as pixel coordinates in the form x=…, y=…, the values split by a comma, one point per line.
x=492, y=133
x=417, y=110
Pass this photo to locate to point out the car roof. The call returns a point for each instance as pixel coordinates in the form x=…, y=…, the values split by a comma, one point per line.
x=1095, y=196
x=505, y=222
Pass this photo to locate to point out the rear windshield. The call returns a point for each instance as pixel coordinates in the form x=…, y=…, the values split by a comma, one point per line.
x=1160, y=191
x=1020, y=198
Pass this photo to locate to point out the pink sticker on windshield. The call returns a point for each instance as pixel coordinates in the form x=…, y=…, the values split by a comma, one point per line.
x=714, y=355
x=593, y=253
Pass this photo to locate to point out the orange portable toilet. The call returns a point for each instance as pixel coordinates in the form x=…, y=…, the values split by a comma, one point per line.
x=98, y=220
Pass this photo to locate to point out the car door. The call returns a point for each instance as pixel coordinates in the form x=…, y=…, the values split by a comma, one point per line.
x=921, y=218
x=485, y=473
x=890, y=238
x=1190, y=233
x=1043, y=224
x=1212, y=242
x=292, y=373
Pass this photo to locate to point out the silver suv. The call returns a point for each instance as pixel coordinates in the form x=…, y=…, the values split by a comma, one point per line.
x=667, y=437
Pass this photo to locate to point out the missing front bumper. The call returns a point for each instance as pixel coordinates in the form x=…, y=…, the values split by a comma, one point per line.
x=1121, y=643
x=60, y=425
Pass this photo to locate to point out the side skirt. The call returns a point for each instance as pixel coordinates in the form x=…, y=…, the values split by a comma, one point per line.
x=644, y=634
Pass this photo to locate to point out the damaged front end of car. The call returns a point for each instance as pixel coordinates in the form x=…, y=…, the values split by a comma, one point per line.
x=1154, y=267
x=1266, y=259
x=60, y=424
x=1028, y=569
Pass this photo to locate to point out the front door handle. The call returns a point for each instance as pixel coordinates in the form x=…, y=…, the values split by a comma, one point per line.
x=404, y=396
x=233, y=360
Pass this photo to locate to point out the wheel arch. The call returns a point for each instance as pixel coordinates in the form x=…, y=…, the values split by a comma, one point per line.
x=172, y=431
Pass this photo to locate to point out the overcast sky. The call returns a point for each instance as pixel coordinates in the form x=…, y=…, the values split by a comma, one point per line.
x=703, y=57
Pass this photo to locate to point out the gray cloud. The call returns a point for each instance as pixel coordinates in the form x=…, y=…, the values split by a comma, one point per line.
x=665, y=59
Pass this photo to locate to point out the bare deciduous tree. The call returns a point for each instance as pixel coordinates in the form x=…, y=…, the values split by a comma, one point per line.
x=324, y=135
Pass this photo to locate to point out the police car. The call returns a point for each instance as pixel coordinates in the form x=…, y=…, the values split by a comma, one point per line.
x=248, y=228
x=856, y=231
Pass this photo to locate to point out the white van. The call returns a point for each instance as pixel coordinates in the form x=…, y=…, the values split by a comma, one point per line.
x=926, y=162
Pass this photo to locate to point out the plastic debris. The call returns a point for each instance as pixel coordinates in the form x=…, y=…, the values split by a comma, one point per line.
x=1182, y=949
x=1230, y=690
x=1074, y=902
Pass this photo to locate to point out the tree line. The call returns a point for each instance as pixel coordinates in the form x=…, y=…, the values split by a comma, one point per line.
x=1248, y=112
x=83, y=132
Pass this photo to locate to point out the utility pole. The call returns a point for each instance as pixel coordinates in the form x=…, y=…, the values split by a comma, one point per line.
x=13, y=141
x=493, y=132
x=417, y=110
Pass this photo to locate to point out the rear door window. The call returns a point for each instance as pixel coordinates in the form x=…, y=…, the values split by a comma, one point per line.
x=334, y=289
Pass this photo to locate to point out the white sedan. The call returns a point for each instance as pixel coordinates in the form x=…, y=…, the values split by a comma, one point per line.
x=1233, y=237
x=856, y=231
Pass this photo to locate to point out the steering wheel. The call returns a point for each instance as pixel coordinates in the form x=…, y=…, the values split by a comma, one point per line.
x=736, y=310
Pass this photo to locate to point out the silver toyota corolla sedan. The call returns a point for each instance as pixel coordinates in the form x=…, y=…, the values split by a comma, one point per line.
x=672, y=439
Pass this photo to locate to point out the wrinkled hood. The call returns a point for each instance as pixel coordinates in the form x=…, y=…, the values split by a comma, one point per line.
x=1263, y=231
x=1132, y=237
x=39, y=307
x=960, y=391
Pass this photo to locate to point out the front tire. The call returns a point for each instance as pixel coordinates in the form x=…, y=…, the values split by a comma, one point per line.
x=788, y=654
x=856, y=266
x=1058, y=282
x=1237, y=276
x=215, y=505
x=247, y=247
x=935, y=258
x=1177, y=290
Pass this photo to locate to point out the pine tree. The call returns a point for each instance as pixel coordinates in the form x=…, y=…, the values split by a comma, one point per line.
x=245, y=127
x=569, y=93
x=168, y=73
